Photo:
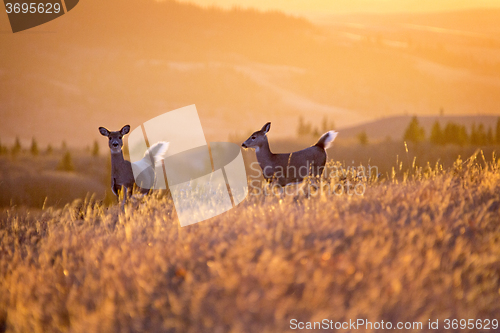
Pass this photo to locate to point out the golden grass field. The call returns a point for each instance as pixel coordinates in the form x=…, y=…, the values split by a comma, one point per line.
x=424, y=244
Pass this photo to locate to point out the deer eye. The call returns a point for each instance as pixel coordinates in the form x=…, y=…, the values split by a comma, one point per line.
x=253, y=137
x=120, y=138
x=109, y=139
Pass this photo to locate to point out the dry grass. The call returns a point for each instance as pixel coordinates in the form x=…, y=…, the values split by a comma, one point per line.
x=425, y=247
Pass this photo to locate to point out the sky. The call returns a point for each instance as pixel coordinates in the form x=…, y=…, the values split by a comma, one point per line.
x=322, y=7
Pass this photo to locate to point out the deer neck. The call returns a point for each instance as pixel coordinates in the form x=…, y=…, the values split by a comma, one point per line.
x=117, y=160
x=264, y=155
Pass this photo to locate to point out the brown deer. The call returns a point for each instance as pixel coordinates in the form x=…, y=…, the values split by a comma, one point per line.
x=293, y=167
x=122, y=175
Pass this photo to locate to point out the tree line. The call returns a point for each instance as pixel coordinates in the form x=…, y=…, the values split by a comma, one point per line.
x=306, y=128
x=65, y=164
x=453, y=133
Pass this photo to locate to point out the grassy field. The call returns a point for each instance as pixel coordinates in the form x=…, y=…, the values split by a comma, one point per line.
x=424, y=244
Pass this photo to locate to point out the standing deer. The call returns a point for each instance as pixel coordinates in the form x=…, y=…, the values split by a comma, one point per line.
x=122, y=176
x=293, y=167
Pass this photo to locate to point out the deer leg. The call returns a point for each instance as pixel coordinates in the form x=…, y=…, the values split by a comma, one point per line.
x=314, y=185
x=304, y=188
x=144, y=192
x=273, y=187
x=115, y=189
x=265, y=187
x=123, y=193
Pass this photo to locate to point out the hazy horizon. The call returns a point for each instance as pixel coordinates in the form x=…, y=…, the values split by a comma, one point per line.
x=242, y=68
x=317, y=8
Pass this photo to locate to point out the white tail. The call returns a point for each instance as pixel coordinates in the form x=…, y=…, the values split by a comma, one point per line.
x=145, y=170
x=152, y=159
x=327, y=139
x=156, y=152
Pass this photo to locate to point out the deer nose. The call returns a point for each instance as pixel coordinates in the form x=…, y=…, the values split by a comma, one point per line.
x=115, y=145
x=244, y=145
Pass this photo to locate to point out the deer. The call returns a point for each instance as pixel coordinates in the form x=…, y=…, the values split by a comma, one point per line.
x=122, y=175
x=289, y=168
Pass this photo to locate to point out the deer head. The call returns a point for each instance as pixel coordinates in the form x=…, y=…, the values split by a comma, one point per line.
x=257, y=139
x=115, y=138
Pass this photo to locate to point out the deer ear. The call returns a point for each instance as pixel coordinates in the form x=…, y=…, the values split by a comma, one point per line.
x=103, y=131
x=266, y=128
x=125, y=129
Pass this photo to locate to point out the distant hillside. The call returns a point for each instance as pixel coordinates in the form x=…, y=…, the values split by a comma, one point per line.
x=480, y=20
x=394, y=127
x=109, y=63
x=165, y=29
x=116, y=62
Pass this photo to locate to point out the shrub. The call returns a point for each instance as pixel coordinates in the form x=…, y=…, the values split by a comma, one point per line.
x=362, y=138
x=95, y=149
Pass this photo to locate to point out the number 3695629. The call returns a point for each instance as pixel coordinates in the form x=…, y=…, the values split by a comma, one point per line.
x=47, y=8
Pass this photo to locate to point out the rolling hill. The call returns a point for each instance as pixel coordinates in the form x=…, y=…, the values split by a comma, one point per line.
x=116, y=62
x=393, y=128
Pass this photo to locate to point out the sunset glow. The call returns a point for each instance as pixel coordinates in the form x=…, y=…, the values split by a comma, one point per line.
x=318, y=7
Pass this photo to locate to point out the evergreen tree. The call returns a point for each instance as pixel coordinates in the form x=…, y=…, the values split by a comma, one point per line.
x=481, y=135
x=64, y=146
x=326, y=125
x=66, y=163
x=474, y=139
x=304, y=128
x=95, y=149
x=437, y=136
x=414, y=133
x=490, y=139
x=363, y=138
x=300, y=126
x=455, y=134
x=50, y=150
x=34, y=147
x=17, y=147
x=462, y=137
x=449, y=133
x=497, y=136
